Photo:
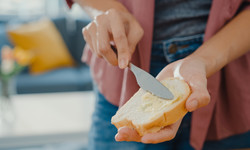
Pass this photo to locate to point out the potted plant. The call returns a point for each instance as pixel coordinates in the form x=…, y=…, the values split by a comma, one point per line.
x=12, y=62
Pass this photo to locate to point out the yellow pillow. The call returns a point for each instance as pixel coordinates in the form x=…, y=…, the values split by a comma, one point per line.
x=43, y=39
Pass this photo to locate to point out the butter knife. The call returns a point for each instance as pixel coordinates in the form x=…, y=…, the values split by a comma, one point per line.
x=148, y=83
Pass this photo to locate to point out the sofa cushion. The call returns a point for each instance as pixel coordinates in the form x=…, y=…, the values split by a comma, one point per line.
x=63, y=79
x=60, y=80
x=44, y=40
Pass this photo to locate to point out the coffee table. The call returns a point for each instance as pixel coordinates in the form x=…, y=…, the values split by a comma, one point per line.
x=49, y=118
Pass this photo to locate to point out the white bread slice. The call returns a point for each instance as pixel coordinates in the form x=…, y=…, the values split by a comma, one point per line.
x=147, y=113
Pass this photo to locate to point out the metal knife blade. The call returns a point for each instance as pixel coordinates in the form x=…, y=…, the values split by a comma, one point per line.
x=147, y=82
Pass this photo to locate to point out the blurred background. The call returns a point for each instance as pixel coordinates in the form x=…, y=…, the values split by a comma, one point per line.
x=46, y=97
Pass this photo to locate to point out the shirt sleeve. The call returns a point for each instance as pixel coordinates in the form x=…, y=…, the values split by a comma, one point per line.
x=70, y=3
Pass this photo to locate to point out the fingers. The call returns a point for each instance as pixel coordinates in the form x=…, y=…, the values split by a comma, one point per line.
x=134, y=36
x=127, y=134
x=96, y=35
x=199, y=97
x=166, y=134
x=103, y=43
x=120, y=39
x=87, y=37
x=120, y=27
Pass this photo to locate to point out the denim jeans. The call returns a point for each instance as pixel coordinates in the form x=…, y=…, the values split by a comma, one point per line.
x=102, y=133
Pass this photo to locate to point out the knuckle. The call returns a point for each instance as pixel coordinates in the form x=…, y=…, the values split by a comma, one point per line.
x=100, y=18
x=90, y=27
x=120, y=37
x=86, y=35
x=138, y=28
x=112, y=12
x=84, y=32
x=205, y=97
x=140, y=31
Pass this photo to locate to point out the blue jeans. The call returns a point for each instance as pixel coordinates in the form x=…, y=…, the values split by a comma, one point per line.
x=102, y=133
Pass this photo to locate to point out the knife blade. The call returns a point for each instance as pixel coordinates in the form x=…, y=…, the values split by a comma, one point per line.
x=147, y=82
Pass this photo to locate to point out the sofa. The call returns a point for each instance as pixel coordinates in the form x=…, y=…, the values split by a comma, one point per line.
x=61, y=79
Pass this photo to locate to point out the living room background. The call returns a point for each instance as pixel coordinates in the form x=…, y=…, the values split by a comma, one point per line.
x=51, y=8
x=50, y=96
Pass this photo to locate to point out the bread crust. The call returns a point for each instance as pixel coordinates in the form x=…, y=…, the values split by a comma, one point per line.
x=166, y=118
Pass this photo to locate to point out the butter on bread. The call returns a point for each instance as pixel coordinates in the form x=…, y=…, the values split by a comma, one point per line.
x=147, y=113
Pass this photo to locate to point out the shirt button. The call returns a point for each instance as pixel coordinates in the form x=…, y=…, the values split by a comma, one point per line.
x=172, y=48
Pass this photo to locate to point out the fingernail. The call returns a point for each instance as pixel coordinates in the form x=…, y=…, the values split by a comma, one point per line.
x=122, y=63
x=122, y=137
x=193, y=105
x=117, y=137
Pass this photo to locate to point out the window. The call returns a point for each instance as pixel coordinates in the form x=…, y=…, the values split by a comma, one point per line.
x=31, y=8
x=23, y=9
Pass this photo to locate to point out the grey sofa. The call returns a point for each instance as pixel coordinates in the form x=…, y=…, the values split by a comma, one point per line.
x=63, y=79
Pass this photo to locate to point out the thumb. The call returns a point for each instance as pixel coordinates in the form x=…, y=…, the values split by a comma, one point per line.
x=127, y=134
x=199, y=98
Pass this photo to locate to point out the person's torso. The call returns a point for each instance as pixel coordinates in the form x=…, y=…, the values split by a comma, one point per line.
x=178, y=18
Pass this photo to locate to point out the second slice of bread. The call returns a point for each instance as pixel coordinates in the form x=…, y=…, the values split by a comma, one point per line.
x=147, y=113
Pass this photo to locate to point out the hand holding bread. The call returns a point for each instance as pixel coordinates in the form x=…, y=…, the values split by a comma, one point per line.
x=160, y=121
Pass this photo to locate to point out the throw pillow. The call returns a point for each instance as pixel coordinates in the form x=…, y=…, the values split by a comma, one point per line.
x=46, y=43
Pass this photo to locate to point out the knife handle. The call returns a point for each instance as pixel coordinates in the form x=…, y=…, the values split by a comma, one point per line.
x=115, y=50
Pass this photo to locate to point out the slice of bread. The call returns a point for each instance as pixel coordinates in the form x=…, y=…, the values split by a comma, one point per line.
x=147, y=113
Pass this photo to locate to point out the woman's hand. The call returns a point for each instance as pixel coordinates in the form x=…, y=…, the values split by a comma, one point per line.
x=193, y=71
x=165, y=134
x=113, y=27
